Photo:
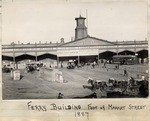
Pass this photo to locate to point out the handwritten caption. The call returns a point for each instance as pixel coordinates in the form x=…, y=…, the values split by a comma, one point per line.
x=79, y=108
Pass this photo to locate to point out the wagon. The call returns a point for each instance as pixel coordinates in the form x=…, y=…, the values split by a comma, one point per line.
x=71, y=64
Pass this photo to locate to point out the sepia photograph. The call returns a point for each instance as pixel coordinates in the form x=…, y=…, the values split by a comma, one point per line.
x=74, y=50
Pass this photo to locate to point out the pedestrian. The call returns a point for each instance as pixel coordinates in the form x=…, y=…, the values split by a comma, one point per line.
x=143, y=90
x=60, y=96
x=105, y=64
x=93, y=66
x=95, y=85
x=94, y=95
x=125, y=72
x=118, y=65
x=132, y=81
x=61, y=65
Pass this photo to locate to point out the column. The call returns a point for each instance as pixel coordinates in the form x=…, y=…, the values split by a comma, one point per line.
x=117, y=47
x=14, y=56
x=36, y=56
x=36, y=52
x=136, y=58
x=98, y=57
x=78, y=60
x=57, y=61
x=135, y=47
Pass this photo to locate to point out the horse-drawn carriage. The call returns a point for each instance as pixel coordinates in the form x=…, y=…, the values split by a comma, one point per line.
x=130, y=87
x=96, y=84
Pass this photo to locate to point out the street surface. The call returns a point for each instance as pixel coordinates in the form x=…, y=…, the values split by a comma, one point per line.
x=31, y=86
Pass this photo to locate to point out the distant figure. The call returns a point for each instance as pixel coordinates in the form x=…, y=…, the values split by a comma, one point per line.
x=131, y=81
x=91, y=81
x=143, y=89
x=95, y=85
x=60, y=96
x=94, y=95
x=105, y=64
x=125, y=72
x=124, y=62
x=61, y=65
x=93, y=64
x=118, y=65
x=143, y=78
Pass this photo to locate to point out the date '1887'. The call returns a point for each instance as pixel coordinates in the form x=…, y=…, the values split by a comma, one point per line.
x=82, y=114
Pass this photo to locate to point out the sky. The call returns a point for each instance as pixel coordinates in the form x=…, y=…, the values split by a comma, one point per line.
x=30, y=21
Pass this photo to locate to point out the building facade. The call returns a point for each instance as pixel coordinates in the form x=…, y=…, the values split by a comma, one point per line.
x=83, y=48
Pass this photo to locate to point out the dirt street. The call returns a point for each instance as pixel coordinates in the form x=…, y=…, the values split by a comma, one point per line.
x=31, y=86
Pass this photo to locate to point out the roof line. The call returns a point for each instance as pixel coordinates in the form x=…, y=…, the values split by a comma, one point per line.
x=88, y=37
x=103, y=40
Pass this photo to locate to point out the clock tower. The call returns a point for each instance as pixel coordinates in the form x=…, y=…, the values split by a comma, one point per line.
x=81, y=29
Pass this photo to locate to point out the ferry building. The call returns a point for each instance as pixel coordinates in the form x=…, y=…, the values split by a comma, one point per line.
x=83, y=48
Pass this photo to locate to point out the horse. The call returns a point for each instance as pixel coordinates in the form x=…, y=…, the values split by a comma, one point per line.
x=111, y=80
x=97, y=84
x=101, y=85
x=91, y=81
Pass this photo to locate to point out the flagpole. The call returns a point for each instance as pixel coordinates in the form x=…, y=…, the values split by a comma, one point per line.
x=87, y=20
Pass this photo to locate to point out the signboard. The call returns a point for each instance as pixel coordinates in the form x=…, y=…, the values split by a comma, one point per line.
x=79, y=52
